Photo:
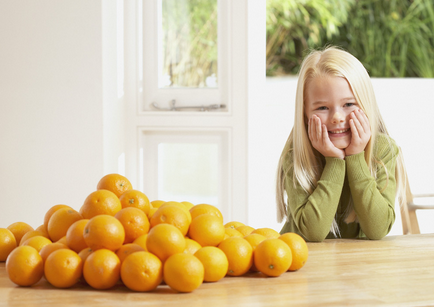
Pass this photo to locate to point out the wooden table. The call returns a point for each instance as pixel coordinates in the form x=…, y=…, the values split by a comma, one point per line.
x=395, y=271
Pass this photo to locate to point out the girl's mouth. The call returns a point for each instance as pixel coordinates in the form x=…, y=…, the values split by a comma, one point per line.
x=339, y=133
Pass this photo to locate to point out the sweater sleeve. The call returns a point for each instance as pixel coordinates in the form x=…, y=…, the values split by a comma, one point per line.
x=374, y=198
x=313, y=214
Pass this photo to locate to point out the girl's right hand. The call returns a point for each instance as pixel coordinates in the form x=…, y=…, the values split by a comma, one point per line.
x=320, y=140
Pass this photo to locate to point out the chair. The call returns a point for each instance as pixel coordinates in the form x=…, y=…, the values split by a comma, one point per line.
x=408, y=212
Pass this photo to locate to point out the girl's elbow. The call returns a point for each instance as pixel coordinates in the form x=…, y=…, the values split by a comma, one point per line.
x=314, y=236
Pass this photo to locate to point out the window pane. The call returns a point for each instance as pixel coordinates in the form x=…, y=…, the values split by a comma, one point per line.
x=188, y=172
x=188, y=44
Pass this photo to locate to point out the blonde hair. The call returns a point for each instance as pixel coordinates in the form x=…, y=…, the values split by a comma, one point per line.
x=305, y=164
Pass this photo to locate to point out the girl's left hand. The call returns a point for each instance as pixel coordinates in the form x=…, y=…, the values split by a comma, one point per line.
x=360, y=133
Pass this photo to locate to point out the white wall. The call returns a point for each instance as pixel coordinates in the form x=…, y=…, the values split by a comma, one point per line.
x=51, y=106
x=407, y=106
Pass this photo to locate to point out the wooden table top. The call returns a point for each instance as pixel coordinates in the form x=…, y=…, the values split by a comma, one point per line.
x=395, y=271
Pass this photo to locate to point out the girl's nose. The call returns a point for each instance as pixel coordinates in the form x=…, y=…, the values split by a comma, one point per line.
x=338, y=118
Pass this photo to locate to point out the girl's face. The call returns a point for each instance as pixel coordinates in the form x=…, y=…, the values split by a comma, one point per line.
x=332, y=100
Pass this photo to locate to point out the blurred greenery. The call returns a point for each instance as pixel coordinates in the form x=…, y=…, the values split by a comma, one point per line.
x=393, y=38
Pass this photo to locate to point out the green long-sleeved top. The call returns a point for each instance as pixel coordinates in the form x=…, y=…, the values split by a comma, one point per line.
x=311, y=215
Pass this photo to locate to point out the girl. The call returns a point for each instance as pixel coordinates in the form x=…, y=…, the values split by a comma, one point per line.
x=339, y=168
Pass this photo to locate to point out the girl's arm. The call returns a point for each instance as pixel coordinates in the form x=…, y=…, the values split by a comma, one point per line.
x=313, y=214
x=374, y=199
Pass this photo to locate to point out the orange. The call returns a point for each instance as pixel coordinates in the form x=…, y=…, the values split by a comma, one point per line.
x=298, y=248
x=273, y=257
x=191, y=246
x=245, y=230
x=179, y=205
x=187, y=205
x=137, y=199
x=233, y=225
x=60, y=221
x=142, y=271
x=142, y=241
x=183, y=272
x=30, y=234
x=267, y=232
x=128, y=249
x=171, y=214
x=254, y=239
x=74, y=236
x=37, y=242
x=51, y=211
x=62, y=240
x=104, y=231
x=134, y=221
x=7, y=243
x=19, y=229
x=85, y=253
x=101, y=269
x=44, y=230
x=157, y=203
x=165, y=240
x=239, y=253
x=214, y=262
x=25, y=266
x=205, y=209
x=232, y=232
x=116, y=183
x=151, y=212
x=49, y=248
x=63, y=268
x=100, y=202
x=207, y=230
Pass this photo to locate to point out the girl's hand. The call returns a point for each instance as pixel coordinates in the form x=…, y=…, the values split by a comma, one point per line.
x=320, y=140
x=360, y=133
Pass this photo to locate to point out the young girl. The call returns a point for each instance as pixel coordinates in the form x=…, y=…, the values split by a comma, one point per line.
x=339, y=168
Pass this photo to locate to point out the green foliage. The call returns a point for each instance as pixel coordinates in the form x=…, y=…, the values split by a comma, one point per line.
x=393, y=38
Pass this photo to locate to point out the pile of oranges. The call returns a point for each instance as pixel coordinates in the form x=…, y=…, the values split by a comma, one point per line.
x=118, y=235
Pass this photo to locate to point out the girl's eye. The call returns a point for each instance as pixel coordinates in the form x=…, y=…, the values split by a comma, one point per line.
x=322, y=108
x=350, y=104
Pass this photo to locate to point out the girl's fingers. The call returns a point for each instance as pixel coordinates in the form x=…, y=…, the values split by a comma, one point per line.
x=363, y=119
x=355, y=133
x=318, y=129
x=325, y=134
x=357, y=123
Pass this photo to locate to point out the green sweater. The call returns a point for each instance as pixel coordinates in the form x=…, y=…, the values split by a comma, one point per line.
x=311, y=215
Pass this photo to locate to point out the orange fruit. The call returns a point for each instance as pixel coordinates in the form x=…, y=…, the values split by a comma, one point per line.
x=49, y=248
x=63, y=268
x=267, y=232
x=298, y=248
x=239, y=253
x=232, y=232
x=62, y=240
x=214, y=262
x=51, y=211
x=101, y=269
x=37, y=242
x=187, y=205
x=142, y=241
x=115, y=183
x=183, y=272
x=151, y=212
x=128, y=249
x=245, y=230
x=165, y=240
x=85, y=253
x=134, y=221
x=191, y=246
x=104, y=231
x=135, y=198
x=207, y=230
x=74, y=236
x=100, y=202
x=30, y=234
x=60, y=221
x=179, y=205
x=142, y=271
x=233, y=224
x=273, y=257
x=157, y=203
x=19, y=229
x=171, y=214
x=7, y=243
x=205, y=209
x=254, y=239
x=24, y=266
x=44, y=230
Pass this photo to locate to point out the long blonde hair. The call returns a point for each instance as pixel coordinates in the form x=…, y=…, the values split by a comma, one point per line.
x=306, y=170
